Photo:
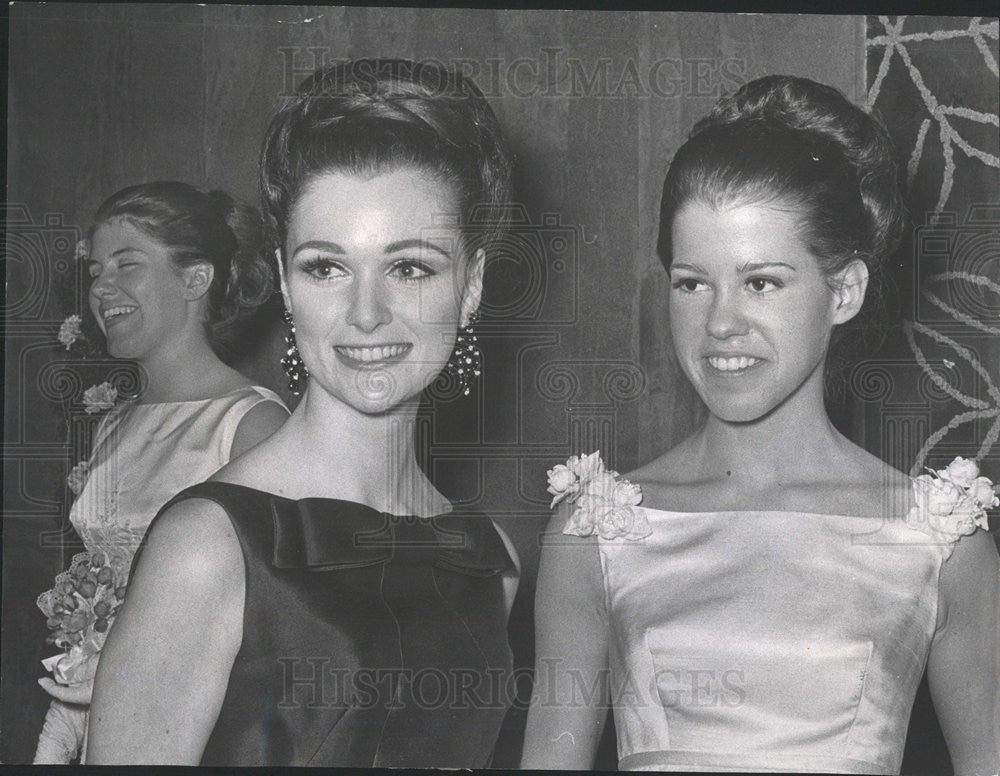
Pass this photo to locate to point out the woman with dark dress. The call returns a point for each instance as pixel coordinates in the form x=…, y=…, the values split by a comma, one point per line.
x=319, y=602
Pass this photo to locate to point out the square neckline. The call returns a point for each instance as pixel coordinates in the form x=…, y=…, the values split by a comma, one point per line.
x=788, y=512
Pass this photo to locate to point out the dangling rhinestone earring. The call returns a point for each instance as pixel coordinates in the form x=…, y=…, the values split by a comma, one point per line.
x=291, y=362
x=466, y=361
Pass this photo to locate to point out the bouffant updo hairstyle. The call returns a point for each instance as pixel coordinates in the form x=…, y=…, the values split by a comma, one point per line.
x=802, y=145
x=200, y=227
x=371, y=116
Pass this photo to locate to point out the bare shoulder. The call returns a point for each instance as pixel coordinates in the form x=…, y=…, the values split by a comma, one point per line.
x=564, y=554
x=570, y=587
x=259, y=422
x=969, y=588
x=974, y=562
x=553, y=534
x=194, y=540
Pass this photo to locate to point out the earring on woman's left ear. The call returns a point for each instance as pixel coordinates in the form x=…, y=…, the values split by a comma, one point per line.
x=292, y=362
x=466, y=360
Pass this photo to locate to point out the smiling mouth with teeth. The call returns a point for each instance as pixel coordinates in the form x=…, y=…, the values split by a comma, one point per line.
x=116, y=312
x=733, y=363
x=374, y=355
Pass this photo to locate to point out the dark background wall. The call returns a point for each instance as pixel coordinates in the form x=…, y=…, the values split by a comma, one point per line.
x=576, y=344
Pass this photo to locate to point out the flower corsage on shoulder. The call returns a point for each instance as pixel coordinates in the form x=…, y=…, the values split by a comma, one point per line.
x=952, y=502
x=605, y=501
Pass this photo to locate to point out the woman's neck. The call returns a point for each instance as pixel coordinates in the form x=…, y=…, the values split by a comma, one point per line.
x=186, y=371
x=795, y=440
x=332, y=450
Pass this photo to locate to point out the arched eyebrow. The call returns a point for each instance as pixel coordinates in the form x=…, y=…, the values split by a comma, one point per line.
x=757, y=266
x=403, y=245
x=324, y=245
x=399, y=245
x=689, y=267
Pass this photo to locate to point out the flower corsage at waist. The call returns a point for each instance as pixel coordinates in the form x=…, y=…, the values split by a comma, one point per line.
x=604, y=500
x=952, y=501
x=80, y=609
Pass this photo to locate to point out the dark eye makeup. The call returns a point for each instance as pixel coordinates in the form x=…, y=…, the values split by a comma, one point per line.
x=411, y=270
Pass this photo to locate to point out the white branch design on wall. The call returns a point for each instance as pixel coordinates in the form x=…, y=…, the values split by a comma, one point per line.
x=894, y=42
x=906, y=50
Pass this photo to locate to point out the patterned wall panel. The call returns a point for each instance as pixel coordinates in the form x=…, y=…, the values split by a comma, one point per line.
x=932, y=393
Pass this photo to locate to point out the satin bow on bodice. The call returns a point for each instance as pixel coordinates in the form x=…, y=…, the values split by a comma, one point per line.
x=323, y=533
x=351, y=617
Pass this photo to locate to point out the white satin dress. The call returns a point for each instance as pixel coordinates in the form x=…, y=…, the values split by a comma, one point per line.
x=746, y=641
x=143, y=454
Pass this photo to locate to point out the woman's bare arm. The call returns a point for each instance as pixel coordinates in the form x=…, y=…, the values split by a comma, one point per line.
x=964, y=664
x=570, y=700
x=165, y=667
x=511, y=577
x=258, y=424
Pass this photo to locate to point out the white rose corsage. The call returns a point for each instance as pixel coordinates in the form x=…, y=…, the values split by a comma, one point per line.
x=952, y=501
x=70, y=331
x=604, y=500
x=98, y=398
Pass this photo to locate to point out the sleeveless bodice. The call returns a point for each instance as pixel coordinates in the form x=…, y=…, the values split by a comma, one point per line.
x=145, y=453
x=142, y=454
x=369, y=640
x=768, y=640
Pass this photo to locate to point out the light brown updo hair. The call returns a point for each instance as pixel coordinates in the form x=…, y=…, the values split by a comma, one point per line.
x=371, y=116
x=794, y=142
x=199, y=227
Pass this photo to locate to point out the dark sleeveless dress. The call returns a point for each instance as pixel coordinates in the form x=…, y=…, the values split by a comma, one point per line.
x=369, y=640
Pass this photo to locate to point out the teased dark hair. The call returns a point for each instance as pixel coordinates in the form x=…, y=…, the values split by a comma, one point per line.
x=373, y=115
x=800, y=144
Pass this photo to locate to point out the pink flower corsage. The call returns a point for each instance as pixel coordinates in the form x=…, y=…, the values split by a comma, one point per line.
x=604, y=500
x=952, y=501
